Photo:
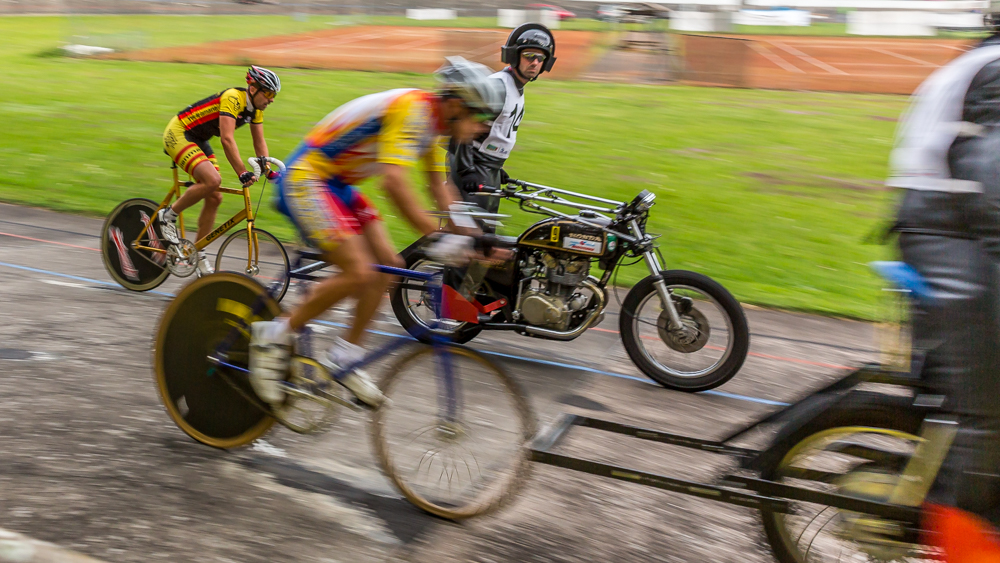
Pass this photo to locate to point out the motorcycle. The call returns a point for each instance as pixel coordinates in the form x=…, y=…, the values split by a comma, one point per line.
x=680, y=328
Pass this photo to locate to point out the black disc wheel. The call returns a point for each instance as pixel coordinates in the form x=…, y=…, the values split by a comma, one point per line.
x=214, y=405
x=134, y=261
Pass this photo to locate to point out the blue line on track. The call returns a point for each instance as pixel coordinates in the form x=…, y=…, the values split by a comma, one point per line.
x=394, y=335
x=77, y=278
x=582, y=368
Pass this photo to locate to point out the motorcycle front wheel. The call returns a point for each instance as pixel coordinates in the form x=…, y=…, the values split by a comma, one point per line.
x=706, y=352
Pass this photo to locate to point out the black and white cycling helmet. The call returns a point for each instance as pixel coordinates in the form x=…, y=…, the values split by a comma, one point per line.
x=529, y=36
x=472, y=83
x=263, y=78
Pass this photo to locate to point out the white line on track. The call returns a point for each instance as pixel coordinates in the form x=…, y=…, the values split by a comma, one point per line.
x=763, y=50
x=904, y=57
x=793, y=51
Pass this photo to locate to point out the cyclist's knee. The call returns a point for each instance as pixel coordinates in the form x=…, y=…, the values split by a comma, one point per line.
x=213, y=199
x=213, y=182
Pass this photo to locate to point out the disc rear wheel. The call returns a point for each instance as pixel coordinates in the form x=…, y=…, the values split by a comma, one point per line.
x=134, y=268
x=214, y=405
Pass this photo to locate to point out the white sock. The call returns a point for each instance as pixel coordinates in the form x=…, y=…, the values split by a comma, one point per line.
x=279, y=331
x=170, y=214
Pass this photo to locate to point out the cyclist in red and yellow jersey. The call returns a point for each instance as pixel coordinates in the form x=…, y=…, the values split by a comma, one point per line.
x=186, y=141
x=380, y=136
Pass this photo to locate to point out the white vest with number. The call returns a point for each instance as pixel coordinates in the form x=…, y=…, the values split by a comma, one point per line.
x=500, y=142
x=932, y=123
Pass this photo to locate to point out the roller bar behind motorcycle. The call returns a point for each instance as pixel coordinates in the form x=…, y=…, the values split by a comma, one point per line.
x=682, y=329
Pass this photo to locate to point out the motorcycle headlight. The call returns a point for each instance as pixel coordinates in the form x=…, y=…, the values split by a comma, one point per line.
x=643, y=201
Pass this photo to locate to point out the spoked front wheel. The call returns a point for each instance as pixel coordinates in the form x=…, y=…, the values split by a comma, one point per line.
x=707, y=351
x=134, y=268
x=214, y=405
x=454, y=439
x=265, y=260
x=857, y=451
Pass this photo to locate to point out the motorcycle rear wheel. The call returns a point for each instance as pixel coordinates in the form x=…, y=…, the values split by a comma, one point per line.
x=412, y=308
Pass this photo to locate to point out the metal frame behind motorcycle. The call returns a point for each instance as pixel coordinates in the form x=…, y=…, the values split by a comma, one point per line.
x=850, y=392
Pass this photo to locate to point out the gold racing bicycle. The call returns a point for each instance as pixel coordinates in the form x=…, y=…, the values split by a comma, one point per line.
x=139, y=258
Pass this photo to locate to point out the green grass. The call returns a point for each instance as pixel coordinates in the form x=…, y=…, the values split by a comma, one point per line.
x=771, y=193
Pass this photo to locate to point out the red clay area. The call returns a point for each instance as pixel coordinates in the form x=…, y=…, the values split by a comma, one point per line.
x=839, y=64
x=373, y=48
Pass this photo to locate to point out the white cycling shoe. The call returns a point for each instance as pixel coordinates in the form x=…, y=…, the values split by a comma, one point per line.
x=343, y=353
x=168, y=226
x=270, y=355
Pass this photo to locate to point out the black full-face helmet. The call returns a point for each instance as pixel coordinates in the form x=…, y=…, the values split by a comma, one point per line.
x=529, y=36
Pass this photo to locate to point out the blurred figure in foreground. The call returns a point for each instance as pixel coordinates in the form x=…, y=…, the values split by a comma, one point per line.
x=947, y=160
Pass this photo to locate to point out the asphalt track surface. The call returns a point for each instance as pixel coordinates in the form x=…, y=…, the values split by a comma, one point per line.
x=89, y=459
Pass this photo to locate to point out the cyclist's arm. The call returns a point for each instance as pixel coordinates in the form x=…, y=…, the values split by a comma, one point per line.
x=442, y=190
x=227, y=126
x=397, y=186
x=259, y=142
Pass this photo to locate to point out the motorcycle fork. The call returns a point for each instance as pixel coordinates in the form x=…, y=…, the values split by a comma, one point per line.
x=655, y=268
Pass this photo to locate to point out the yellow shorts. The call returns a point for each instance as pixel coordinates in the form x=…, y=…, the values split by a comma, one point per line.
x=185, y=152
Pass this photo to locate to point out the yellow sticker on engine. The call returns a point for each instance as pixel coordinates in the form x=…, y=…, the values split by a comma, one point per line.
x=554, y=237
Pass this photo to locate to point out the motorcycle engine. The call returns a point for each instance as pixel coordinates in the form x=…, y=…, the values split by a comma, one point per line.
x=548, y=295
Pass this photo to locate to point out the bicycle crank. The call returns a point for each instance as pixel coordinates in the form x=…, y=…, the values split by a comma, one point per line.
x=182, y=258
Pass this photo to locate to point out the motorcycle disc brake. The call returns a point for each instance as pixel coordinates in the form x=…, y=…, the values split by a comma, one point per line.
x=691, y=337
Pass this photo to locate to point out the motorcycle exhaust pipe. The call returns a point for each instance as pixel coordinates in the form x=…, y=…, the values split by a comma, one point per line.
x=595, y=317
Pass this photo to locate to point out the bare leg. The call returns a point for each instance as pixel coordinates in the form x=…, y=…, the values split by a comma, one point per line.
x=207, y=183
x=380, y=245
x=355, y=263
x=207, y=218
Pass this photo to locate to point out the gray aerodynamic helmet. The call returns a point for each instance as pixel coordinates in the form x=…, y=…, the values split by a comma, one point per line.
x=472, y=83
x=263, y=78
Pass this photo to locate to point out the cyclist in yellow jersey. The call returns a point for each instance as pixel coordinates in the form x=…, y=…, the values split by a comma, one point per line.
x=186, y=141
x=380, y=135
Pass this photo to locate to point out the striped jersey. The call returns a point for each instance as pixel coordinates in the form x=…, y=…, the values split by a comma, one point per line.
x=394, y=127
x=201, y=119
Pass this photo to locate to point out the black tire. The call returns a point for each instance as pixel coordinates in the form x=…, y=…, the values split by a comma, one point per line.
x=402, y=307
x=133, y=269
x=271, y=268
x=198, y=399
x=721, y=371
x=888, y=418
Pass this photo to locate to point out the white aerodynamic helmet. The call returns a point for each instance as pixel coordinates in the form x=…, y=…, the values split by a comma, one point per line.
x=472, y=83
